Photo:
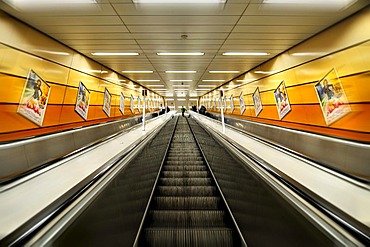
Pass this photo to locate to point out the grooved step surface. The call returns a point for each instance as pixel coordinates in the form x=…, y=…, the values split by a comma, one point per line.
x=186, y=209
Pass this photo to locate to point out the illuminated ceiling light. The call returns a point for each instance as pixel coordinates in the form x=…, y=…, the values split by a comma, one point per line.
x=96, y=71
x=181, y=80
x=181, y=99
x=338, y=2
x=148, y=80
x=180, y=85
x=115, y=53
x=179, y=1
x=207, y=85
x=137, y=71
x=214, y=80
x=180, y=53
x=245, y=54
x=181, y=71
x=224, y=71
x=169, y=99
x=264, y=72
x=155, y=85
x=302, y=54
x=203, y=89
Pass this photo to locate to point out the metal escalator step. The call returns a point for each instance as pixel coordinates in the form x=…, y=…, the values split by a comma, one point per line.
x=184, y=237
x=188, y=218
x=186, y=190
x=186, y=174
x=186, y=203
x=184, y=158
x=185, y=168
x=184, y=162
x=185, y=181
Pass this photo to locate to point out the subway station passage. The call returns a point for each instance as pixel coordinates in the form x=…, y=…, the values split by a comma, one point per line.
x=186, y=207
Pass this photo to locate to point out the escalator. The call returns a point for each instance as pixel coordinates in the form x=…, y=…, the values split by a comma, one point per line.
x=187, y=209
x=184, y=188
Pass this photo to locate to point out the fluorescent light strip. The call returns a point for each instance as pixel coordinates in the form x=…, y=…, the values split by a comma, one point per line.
x=339, y=2
x=224, y=71
x=181, y=71
x=245, y=54
x=245, y=80
x=169, y=99
x=180, y=53
x=264, y=72
x=180, y=85
x=155, y=85
x=148, y=80
x=115, y=53
x=181, y=80
x=137, y=71
x=203, y=89
x=207, y=85
x=214, y=80
x=181, y=99
x=179, y=1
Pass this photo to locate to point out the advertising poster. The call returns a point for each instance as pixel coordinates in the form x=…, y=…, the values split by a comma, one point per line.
x=122, y=104
x=107, y=102
x=34, y=98
x=132, y=107
x=232, y=103
x=242, y=103
x=82, y=101
x=257, y=101
x=333, y=101
x=282, y=100
x=138, y=104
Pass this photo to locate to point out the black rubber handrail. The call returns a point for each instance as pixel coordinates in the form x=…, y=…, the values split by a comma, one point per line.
x=358, y=230
x=24, y=233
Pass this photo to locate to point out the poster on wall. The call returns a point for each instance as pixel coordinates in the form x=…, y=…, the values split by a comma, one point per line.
x=282, y=100
x=132, y=106
x=82, y=101
x=107, y=102
x=257, y=101
x=34, y=98
x=138, y=104
x=232, y=103
x=333, y=101
x=242, y=103
x=122, y=104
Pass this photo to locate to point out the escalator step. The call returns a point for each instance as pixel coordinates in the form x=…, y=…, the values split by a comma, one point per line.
x=184, y=162
x=181, y=157
x=185, y=203
x=189, y=218
x=186, y=190
x=184, y=168
x=184, y=237
x=186, y=174
x=185, y=181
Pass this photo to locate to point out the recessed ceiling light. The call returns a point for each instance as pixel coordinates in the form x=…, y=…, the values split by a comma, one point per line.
x=180, y=85
x=245, y=53
x=214, y=80
x=181, y=71
x=115, y=53
x=148, y=80
x=264, y=72
x=207, y=85
x=137, y=71
x=180, y=53
x=181, y=99
x=155, y=85
x=181, y=80
x=179, y=1
x=169, y=99
x=203, y=89
x=181, y=89
x=224, y=71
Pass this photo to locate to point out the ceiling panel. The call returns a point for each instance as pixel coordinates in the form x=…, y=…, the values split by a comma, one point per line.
x=239, y=25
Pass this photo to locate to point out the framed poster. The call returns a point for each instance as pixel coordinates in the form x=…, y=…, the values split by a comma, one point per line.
x=138, y=104
x=82, y=101
x=132, y=106
x=107, y=102
x=257, y=101
x=333, y=101
x=34, y=98
x=122, y=103
x=232, y=103
x=282, y=100
x=242, y=103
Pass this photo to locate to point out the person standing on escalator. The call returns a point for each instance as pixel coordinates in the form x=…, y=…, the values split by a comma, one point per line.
x=183, y=110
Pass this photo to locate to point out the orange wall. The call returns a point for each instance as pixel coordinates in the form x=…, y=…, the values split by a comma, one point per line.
x=346, y=47
x=23, y=48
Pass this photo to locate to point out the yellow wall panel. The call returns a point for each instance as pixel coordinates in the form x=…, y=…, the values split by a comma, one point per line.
x=52, y=115
x=11, y=121
x=11, y=89
x=57, y=93
x=357, y=88
x=71, y=96
x=92, y=83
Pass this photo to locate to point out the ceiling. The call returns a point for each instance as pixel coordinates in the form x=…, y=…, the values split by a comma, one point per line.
x=235, y=26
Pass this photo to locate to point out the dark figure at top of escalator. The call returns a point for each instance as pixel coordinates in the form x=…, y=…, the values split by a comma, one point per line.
x=183, y=110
